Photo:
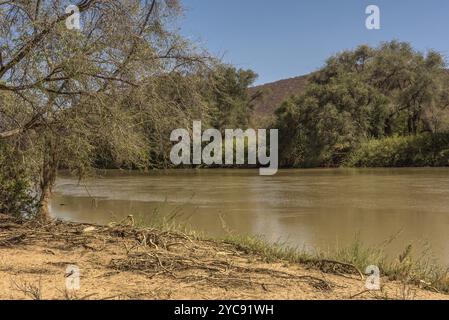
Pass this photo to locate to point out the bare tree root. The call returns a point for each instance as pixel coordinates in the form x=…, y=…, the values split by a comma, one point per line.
x=30, y=290
x=216, y=271
x=337, y=267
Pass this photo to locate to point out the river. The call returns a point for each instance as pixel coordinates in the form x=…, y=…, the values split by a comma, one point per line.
x=311, y=209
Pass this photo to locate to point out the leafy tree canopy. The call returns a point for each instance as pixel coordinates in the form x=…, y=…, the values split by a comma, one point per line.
x=363, y=94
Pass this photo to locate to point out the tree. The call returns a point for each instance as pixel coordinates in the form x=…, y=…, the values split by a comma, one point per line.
x=362, y=94
x=229, y=98
x=65, y=91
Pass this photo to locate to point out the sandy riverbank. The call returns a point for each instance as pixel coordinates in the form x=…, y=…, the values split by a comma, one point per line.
x=121, y=262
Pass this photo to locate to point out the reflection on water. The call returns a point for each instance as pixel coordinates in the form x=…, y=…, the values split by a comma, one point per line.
x=307, y=208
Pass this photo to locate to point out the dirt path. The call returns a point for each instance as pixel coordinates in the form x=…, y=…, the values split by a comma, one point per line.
x=123, y=263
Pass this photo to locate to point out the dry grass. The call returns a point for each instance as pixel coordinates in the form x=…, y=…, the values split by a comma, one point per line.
x=410, y=268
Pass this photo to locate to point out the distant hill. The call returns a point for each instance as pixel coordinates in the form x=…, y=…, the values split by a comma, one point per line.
x=273, y=94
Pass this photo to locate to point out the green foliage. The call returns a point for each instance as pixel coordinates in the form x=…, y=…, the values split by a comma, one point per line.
x=229, y=98
x=367, y=93
x=15, y=185
x=108, y=89
x=110, y=94
x=402, y=151
x=217, y=96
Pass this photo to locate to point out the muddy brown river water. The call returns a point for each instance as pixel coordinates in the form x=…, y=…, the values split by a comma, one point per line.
x=312, y=209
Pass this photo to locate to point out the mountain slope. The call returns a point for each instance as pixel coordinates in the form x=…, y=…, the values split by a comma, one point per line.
x=273, y=94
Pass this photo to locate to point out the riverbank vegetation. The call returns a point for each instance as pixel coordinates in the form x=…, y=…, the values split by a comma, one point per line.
x=411, y=267
x=388, y=93
x=423, y=150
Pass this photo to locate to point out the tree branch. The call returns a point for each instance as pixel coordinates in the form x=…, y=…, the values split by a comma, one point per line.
x=26, y=49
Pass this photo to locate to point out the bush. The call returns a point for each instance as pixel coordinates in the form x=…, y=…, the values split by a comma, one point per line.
x=425, y=150
x=15, y=186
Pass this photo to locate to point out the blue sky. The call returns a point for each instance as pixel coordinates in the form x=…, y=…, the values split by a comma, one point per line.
x=279, y=39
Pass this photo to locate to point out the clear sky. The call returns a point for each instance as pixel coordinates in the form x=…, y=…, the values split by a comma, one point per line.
x=279, y=39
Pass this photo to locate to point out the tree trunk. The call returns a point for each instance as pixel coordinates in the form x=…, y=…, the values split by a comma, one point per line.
x=44, y=213
x=48, y=178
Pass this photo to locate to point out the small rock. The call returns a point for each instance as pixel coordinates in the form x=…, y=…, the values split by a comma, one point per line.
x=89, y=229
